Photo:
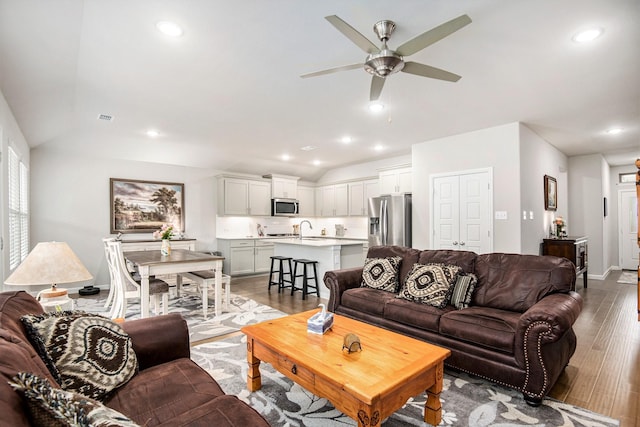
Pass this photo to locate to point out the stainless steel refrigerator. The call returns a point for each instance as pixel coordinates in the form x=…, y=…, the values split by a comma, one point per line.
x=390, y=220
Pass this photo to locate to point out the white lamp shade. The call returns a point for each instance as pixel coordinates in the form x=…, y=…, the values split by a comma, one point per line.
x=49, y=263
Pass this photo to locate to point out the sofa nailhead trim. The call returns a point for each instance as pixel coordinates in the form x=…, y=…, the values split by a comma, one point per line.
x=526, y=357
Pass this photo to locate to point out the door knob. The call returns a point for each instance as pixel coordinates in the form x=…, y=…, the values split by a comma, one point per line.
x=461, y=243
x=455, y=243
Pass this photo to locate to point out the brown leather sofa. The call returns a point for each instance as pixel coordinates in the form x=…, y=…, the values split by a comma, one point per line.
x=517, y=331
x=169, y=389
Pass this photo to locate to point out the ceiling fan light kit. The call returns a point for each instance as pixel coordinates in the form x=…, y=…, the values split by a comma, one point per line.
x=383, y=62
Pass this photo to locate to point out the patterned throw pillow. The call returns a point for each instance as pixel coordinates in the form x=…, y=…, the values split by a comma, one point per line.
x=381, y=273
x=463, y=290
x=87, y=353
x=49, y=406
x=430, y=284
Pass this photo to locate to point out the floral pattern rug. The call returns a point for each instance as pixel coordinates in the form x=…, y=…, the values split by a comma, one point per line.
x=242, y=311
x=466, y=400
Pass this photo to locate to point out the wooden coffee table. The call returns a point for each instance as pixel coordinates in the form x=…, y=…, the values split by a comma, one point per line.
x=368, y=385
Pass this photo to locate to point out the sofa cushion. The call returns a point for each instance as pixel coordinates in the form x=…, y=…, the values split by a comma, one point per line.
x=87, y=353
x=516, y=282
x=409, y=257
x=165, y=393
x=423, y=316
x=382, y=273
x=430, y=284
x=466, y=260
x=367, y=300
x=50, y=406
x=463, y=290
x=487, y=327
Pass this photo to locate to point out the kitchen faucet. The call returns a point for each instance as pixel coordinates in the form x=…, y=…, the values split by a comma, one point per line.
x=302, y=222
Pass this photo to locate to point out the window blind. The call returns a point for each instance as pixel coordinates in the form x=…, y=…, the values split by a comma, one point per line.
x=18, y=181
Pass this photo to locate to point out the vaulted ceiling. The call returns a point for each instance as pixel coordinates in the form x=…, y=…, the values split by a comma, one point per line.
x=228, y=95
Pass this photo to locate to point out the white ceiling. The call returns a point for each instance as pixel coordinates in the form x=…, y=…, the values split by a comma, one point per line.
x=227, y=94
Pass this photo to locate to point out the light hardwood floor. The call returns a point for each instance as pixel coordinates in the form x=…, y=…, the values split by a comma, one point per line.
x=604, y=372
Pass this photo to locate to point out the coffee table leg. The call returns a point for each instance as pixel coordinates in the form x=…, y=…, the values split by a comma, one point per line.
x=254, y=381
x=433, y=406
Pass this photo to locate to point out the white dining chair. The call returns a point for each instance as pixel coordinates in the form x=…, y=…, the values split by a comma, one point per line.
x=128, y=288
x=112, y=279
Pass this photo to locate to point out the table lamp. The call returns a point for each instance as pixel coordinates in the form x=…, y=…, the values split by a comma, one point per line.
x=49, y=263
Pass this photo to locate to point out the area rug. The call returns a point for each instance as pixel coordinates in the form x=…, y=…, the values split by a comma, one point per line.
x=466, y=401
x=628, y=277
x=242, y=311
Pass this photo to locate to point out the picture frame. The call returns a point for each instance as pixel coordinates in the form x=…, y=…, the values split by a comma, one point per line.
x=550, y=193
x=139, y=206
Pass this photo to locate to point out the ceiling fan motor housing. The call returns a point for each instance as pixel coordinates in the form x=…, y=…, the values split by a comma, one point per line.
x=384, y=63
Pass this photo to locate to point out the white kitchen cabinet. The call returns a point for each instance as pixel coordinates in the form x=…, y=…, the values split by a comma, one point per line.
x=262, y=257
x=286, y=188
x=245, y=256
x=359, y=194
x=307, y=199
x=244, y=197
x=395, y=181
x=335, y=200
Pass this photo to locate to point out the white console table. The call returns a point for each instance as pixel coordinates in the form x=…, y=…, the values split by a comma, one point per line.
x=154, y=245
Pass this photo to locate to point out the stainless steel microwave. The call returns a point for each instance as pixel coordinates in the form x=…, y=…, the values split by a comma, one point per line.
x=284, y=207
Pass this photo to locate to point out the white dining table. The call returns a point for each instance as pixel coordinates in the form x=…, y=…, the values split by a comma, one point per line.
x=150, y=263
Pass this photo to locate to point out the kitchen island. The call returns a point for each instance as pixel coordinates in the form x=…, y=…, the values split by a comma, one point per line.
x=331, y=254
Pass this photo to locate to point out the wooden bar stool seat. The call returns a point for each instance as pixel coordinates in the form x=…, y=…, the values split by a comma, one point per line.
x=284, y=278
x=306, y=278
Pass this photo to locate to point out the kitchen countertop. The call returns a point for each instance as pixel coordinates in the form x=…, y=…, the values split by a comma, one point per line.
x=315, y=241
x=291, y=237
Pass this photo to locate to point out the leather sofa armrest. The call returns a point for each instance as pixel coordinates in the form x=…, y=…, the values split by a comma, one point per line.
x=339, y=281
x=557, y=311
x=158, y=339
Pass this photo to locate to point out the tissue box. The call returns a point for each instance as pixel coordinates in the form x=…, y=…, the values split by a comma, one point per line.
x=319, y=324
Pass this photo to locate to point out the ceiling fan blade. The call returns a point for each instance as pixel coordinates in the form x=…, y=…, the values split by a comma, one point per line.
x=332, y=70
x=429, y=71
x=352, y=34
x=433, y=35
x=377, y=83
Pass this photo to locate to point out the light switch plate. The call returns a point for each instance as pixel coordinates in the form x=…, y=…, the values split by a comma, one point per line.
x=530, y=214
x=501, y=215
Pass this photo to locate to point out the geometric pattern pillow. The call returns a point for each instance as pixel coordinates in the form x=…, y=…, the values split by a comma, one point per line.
x=430, y=284
x=463, y=290
x=381, y=273
x=86, y=353
x=49, y=406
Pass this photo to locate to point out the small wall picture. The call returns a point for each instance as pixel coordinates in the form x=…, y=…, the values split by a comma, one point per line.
x=143, y=206
x=550, y=193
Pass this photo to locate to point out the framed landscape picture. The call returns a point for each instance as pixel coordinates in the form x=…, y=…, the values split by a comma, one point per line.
x=143, y=206
x=550, y=193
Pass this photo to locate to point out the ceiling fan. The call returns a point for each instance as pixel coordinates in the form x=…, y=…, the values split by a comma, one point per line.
x=382, y=62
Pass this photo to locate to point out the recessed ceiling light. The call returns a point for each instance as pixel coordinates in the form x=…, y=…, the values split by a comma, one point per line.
x=285, y=157
x=153, y=133
x=169, y=28
x=587, y=35
x=378, y=147
x=376, y=106
x=346, y=139
x=316, y=162
x=614, y=131
x=308, y=148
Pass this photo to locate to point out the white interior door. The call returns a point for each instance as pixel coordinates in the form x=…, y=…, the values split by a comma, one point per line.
x=461, y=212
x=446, y=208
x=628, y=229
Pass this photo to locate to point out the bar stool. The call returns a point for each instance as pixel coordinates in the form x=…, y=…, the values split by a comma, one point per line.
x=305, y=277
x=281, y=279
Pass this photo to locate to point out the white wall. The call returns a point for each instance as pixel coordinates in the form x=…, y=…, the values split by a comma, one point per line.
x=10, y=135
x=586, y=183
x=70, y=202
x=496, y=147
x=363, y=170
x=539, y=158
